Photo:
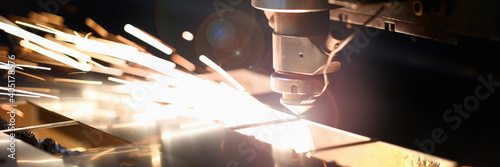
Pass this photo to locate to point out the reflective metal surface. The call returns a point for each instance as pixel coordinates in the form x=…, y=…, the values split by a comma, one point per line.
x=185, y=139
x=297, y=55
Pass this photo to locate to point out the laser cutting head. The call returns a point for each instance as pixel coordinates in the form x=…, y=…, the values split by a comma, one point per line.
x=300, y=52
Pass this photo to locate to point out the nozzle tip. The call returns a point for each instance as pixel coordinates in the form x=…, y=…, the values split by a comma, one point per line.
x=298, y=109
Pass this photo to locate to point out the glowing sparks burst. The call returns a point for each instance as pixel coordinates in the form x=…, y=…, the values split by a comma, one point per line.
x=161, y=82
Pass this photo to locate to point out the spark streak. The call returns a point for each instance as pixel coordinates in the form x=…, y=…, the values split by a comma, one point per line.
x=119, y=80
x=77, y=81
x=31, y=75
x=31, y=93
x=221, y=71
x=33, y=67
x=17, y=94
x=148, y=39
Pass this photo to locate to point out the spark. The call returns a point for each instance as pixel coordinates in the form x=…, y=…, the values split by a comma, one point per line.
x=31, y=93
x=96, y=27
x=106, y=58
x=77, y=39
x=45, y=90
x=31, y=75
x=119, y=80
x=137, y=71
x=42, y=41
x=128, y=42
x=77, y=81
x=221, y=71
x=58, y=57
x=183, y=62
x=187, y=36
x=16, y=94
x=116, y=45
x=98, y=65
x=76, y=34
x=33, y=67
x=148, y=39
x=108, y=70
x=87, y=35
x=144, y=59
x=40, y=161
x=77, y=72
x=9, y=66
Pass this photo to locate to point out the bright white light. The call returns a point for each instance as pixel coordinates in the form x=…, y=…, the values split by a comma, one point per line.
x=119, y=80
x=221, y=71
x=144, y=59
x=289, y=135
x=5, y=67
x=187, y=132
x=89, y=94
x=60, y=58
x=147, y=38
x=187, y=36
x=17, y=94
x=141, y=117
x=34, y=67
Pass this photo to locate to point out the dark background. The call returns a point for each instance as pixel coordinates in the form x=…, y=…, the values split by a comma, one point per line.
x=396, y=89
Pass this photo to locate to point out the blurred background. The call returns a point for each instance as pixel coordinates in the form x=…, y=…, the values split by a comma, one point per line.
x=396, y=89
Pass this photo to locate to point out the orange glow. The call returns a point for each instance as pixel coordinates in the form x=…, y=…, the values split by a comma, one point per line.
x=96, y=27
x=77, y=81
x=101, y=154
x=8, y=108
x=31, y=75
x=183, y=62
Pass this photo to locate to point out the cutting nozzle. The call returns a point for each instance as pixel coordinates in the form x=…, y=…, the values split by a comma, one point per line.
x=296, y=103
